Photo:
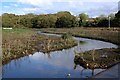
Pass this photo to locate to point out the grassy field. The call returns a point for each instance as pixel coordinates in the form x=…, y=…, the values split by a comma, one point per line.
x=106, y=34
x=22, y=42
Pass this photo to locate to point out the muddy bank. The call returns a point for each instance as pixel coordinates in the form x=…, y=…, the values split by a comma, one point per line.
x=101, y=58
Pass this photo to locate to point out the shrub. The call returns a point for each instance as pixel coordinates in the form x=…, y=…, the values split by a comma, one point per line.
x=66, y=36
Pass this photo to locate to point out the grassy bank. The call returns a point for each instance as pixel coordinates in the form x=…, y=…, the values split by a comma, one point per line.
x=22, y=42
x=101, y=58
x=106, y=34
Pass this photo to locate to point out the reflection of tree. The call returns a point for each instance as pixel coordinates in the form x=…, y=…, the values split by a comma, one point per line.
x=81, y=73
x=96, y=59
x=49, y=56
x=93, y=53
x=17, y=63
x=92, y=72
x=80, y=60
x=93, y=59
x=75, y=66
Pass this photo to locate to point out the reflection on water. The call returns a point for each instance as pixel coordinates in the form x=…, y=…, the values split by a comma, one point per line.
x=55, y=64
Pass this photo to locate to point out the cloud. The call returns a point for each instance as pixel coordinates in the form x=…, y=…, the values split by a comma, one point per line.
x=75, y=3
x=14, y=5
x=105, y=10
x=29, y=10
x=92, y=7
x=37, y=2
x=6, y=6
x=71, y=3
x=59, y=1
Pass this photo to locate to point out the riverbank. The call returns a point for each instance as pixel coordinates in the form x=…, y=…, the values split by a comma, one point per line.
x=112, y=72
x=20, y=42
x=100, y=58
x=105, y=34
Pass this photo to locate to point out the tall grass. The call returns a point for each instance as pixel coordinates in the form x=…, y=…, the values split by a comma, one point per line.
x=21, y=42
x=16, y=43
x=101, y=58
x=107, y=34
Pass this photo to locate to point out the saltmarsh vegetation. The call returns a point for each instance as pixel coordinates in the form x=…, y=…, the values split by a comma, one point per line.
x=82, y=42
x=17, y=43
x=53, y=43
x=20, y=42
x=106, y=34
x=101, y=58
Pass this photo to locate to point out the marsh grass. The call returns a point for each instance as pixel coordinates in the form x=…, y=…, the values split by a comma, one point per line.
x=21, y=42
x=106, y=34
x=17, y=43
x=66, y=36
x=93, y=58
x=101, y=58
x=82, y=42
x=57, y=43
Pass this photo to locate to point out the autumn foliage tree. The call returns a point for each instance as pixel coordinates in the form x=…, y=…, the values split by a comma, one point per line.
x=63, y=19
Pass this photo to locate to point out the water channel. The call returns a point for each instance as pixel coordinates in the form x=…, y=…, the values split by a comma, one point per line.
x=56, y=64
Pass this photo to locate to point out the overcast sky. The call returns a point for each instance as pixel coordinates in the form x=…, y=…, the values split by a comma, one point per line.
x=92, y=7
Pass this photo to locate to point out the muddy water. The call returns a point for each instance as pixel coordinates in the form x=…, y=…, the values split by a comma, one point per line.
x=56, y=64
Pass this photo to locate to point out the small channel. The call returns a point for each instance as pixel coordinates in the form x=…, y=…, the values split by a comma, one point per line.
x=56, y=64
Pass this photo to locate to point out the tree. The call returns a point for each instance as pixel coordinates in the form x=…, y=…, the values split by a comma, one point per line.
x=103, y=22
x=44, y=21
x=12, y=20
x=65, y=19
x=26, y=21
x=117, y=15
x=40, y=22
x=0, y=21
x=83, y=19
x=63, y=13
x=63, y=22
x=102, y=16
x=112, y=16
x=117, y=19
x=52, y=20
x=9, y=20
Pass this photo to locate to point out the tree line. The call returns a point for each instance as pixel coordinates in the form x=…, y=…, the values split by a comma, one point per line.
x=59, y=20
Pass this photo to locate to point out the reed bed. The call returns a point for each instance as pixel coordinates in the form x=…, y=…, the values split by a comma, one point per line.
x=101, y=58
x=106, y=34
x=92, y=59
x=17, y=43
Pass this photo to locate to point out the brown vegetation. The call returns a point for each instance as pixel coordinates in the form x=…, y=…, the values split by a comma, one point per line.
x=22, y=42
x=102, y=58
x=106, y=34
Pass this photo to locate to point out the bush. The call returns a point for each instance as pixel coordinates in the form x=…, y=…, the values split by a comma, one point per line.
x=67, y=36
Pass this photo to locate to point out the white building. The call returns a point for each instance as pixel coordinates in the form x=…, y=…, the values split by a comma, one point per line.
x=7, y=28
